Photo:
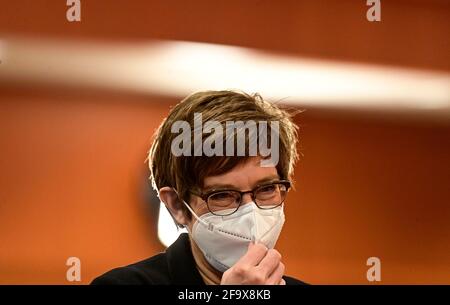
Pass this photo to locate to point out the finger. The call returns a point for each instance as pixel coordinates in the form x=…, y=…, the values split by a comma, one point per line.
x=283, y=282
x=270, y=262
x=277, y=276
x=254, y=255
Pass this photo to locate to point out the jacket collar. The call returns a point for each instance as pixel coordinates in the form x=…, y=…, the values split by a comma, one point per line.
x=181, y=263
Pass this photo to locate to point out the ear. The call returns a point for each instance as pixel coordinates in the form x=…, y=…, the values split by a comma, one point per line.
x=174, y=204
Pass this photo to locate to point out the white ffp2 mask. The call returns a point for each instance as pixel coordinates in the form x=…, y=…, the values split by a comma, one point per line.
x=225, y=239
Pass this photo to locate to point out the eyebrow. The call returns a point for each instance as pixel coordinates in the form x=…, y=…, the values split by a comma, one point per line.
x=234, y=187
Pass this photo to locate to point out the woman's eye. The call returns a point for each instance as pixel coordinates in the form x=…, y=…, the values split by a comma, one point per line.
x=267, y=189
x=221, y=196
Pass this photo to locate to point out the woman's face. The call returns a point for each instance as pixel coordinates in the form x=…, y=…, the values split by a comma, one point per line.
x=243, y=177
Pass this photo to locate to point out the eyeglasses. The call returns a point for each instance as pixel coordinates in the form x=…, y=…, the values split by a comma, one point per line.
x=225, y=202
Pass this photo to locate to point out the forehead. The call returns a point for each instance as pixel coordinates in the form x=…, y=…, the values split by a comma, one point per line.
x=244, y=176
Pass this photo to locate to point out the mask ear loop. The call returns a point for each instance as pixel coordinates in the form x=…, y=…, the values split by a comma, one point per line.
x=210, y=226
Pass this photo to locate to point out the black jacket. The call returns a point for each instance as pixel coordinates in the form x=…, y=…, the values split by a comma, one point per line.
x=174, y=266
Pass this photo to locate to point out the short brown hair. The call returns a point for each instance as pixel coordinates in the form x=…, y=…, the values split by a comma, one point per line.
x=185, y=173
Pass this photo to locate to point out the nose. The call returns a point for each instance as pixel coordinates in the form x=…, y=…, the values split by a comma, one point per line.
x=246, y=198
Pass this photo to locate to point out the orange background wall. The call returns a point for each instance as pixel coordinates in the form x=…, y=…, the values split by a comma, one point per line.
x=411, y=33
x=73, y=178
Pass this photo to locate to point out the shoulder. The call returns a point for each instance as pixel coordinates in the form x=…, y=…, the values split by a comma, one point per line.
x=153, y=270
x=174, y=266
